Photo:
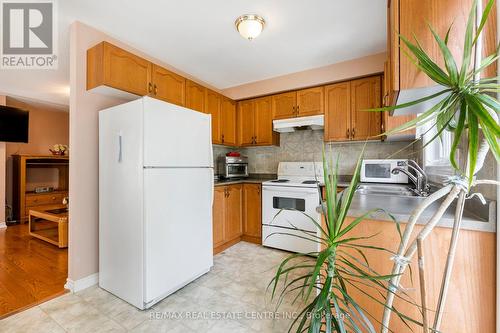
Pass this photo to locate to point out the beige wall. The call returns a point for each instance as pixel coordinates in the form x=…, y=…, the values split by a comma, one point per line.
x=48, y=125
x=336, y=72
x=2, y=174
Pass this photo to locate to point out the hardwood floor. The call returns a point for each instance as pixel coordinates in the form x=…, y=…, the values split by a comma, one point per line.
x=31, y=270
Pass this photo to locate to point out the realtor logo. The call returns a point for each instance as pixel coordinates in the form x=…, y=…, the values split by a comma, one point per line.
x=28, y=35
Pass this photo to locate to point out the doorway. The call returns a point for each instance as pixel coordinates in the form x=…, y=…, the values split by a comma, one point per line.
x=34, y=239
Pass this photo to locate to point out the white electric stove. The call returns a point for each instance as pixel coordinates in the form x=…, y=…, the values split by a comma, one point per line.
x=289, y=203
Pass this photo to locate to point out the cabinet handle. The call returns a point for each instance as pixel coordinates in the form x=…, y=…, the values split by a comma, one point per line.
x=347, y=134
x=353, y=132
x=222, y=138
x=297, y=110
x=294, y=111
x=150, y=87
x=156, y=90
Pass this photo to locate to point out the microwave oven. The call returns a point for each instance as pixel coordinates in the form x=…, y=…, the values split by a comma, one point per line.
x=380, y=171
x=233, y=167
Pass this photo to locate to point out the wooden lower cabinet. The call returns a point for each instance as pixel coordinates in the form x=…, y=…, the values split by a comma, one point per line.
x=233, y=211
x=227, y=216
x=252, y=213
x=236, y=215
x=218, y=216
x=470, y=305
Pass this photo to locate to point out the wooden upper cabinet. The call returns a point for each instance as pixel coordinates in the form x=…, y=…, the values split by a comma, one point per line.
x=213, y=104
x=252, y=219
x=246, y=122
x=228, y=113
x=195, y=96
x=167, y=85
x=310, y=102
x=233, y=211
x=391, y=76
x=111, y=66
x=264, y=134
x=338, y=112
x=284, y=105
x=365, y=94
x=411, y=17
x=218, y=216
x=255, y=123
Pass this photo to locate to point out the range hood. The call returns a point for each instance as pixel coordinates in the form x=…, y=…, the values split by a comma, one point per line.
x=300, y=123
x=410, y=95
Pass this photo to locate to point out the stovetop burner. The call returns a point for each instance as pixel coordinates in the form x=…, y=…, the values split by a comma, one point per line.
x=280, y=181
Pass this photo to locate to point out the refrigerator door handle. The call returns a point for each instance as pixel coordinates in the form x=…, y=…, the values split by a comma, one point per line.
x=213, y=188
x=119, y=147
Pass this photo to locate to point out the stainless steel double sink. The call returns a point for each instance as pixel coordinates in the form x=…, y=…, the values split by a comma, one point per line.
x=386, y=189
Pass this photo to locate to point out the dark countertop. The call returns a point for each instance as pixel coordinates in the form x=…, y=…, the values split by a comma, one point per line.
x=257, y=178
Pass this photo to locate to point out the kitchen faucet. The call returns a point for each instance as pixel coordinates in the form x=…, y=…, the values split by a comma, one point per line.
x=420, y=180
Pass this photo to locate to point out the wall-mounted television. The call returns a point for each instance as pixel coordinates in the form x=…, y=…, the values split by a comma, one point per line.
x=14, y=124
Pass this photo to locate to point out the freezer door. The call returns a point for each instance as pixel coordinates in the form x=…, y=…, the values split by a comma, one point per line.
x=175, y=136
x=178, y=228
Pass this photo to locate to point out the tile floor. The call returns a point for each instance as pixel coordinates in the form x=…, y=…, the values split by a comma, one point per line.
x=230, y=298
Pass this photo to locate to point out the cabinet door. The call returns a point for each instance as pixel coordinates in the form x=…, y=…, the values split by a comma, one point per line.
x=228, y=110
x=392, y=77
x=264, y=134
x=125, y=71
x=246, y=122
x=390, y=123
x=365, y=94
x=195, y=96
x=218, y=215
x=252, y=218
x=233, y=212
x=284, y=105
x=167, y=85
x=310, y=102
x=338, y=112
x=414, y=17
x=213, y=107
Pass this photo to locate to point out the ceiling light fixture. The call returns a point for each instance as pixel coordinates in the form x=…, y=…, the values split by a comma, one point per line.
x=249, y=25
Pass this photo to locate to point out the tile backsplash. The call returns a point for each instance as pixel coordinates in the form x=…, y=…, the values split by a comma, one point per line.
x=308, y=145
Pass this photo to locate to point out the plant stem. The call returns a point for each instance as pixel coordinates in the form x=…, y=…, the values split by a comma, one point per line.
x=423, y=293
x=450, y=260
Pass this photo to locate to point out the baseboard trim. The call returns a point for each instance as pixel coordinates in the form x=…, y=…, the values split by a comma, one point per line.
x=252, y=239
x=84, y=283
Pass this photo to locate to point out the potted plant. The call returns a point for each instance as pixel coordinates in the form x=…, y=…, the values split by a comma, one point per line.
x=322, y=280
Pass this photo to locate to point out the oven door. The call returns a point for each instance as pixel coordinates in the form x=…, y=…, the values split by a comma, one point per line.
x=287, y=207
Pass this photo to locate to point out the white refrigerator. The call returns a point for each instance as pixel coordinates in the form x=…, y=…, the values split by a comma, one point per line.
x=155, y=199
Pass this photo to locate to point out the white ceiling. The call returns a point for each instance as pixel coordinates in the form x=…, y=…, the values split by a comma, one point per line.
x=199, y=38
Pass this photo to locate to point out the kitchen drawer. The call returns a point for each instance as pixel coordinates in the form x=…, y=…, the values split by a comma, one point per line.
x=44, y=199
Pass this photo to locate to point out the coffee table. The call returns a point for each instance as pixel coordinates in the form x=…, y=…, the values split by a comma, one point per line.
x=50, y=223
